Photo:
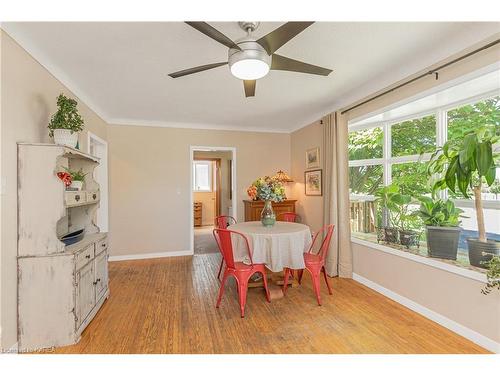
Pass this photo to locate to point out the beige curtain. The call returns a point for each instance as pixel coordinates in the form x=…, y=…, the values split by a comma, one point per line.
x=336, y=194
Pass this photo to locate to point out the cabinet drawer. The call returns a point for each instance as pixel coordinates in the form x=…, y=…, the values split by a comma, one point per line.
x=74, y=198
x=92, y=196
x=84, y=256
x=101, y=245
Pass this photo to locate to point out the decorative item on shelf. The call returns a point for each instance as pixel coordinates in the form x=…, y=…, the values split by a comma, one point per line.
x=77, y=178
x=468, y=164
x=269, y=190
x=441, y=219
x=66, y=122
x=73, y=237
x=312, y=158
x=65, y=177
x=313, y=181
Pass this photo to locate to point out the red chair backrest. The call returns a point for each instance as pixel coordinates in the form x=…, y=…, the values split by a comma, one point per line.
x=224, y=240
x=326, y=232
x=290, y=217
x=223, y=221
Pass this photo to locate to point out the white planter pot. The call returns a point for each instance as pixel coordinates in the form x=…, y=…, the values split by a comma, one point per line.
x=76, y=185
x=64, y=137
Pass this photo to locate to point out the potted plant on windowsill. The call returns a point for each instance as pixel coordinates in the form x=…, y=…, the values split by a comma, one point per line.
x=467, y=165
x=66, y=122
x=388, y=232
x=441, y=219
x=403, y=218
x=493, y=275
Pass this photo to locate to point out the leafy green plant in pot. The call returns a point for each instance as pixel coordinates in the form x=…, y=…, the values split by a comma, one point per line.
x=404, y=218
x=388, y=232
x=441, y=219
x=77, y=178
x=493, y=275
x=66, y=122
x=468, y=165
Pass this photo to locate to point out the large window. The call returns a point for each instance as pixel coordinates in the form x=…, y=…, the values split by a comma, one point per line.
x=398, y=150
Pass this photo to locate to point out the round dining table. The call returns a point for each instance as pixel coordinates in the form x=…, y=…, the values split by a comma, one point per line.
x=281, y=246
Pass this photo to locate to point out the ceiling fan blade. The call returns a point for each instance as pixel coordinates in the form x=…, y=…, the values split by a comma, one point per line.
x=284, y=63
x=275, y=39
x=213, y=33
x=249, y=87
x=196, y=69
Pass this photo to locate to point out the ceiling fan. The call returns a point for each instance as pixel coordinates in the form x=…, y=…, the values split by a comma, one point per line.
x=250, y=59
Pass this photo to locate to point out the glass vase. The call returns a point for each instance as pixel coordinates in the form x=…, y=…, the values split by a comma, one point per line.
x=267, y=216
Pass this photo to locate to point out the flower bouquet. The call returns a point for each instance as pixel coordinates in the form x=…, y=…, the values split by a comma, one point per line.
x=269, y=190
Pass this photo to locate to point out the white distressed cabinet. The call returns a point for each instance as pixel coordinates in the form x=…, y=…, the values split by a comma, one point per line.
x=60, y=287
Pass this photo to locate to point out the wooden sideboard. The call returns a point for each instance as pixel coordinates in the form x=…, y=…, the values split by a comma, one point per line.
x=254, y=208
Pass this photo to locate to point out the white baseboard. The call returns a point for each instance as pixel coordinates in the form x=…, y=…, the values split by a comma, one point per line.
x=116, y=258
x=14, y=349
x=468, y=333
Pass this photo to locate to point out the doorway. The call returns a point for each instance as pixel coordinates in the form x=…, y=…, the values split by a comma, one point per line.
x=212, y=193
x=99, y=147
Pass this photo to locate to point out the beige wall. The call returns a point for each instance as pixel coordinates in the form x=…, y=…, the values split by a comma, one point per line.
x=310, y=208
x=453, y=296
x=150, y=181
x=29, y=95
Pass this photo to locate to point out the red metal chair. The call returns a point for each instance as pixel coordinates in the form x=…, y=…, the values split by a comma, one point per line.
x=290, y=217
x=315, y=262
x=222, y=222
x=239, y=270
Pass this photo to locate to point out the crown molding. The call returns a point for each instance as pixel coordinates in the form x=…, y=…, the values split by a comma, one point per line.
x=190, y=125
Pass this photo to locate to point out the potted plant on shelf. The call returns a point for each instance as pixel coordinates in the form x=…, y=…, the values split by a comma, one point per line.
x=269, y=190
x=468, y=165
x=66, y=122
x=77, y=178
x=404, y=218
x=441, y=219
x=396, y=216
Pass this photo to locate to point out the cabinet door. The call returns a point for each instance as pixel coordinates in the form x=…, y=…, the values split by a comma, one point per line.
x=85, y=295
x=101, y=274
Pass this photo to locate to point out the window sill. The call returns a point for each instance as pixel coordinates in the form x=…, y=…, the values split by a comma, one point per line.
x=468, y=273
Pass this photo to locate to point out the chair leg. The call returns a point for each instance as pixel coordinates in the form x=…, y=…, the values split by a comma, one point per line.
x=300, y=273
x=315, y=282
x=285, y=280
x=326, y=281
x=220, y=268
x=221, y=290
x=242, y=293
x=264, y=279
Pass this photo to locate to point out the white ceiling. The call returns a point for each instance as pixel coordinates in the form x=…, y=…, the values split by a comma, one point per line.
x=120, y=69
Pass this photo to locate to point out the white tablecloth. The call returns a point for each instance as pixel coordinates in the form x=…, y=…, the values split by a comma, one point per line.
x=282, y=245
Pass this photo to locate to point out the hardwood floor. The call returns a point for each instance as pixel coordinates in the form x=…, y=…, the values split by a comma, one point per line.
x=167, y=305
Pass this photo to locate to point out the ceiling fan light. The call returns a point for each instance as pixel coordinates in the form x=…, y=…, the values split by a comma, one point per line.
x=249, y=69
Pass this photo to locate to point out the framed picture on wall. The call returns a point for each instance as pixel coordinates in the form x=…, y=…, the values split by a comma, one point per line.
x=313, y=181
x=312, y=158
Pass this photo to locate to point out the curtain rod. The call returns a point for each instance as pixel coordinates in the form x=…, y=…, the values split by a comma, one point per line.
x=430, y=72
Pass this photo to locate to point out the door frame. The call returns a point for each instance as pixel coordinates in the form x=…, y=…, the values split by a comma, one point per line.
x=104, y=192
x=234, y=191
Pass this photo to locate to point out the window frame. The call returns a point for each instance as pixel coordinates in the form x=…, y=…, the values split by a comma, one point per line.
x=210, y=176
x=387, y=160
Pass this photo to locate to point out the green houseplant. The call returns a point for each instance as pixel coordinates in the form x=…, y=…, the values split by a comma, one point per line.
x=66, y=122
x=77, y=178
x=467, y=165
x=397, y=216
x=441, y=219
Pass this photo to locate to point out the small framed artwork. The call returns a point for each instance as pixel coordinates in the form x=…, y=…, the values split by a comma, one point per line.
x=312, y=158
x=314, y=182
